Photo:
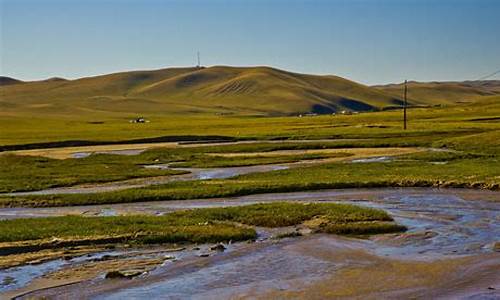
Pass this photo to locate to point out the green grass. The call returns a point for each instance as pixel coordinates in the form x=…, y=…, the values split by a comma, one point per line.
x=443, y=156
x=425, y=125
x=444, y=93
x=27, y=173
x=281, y=214
x=482, y=143
x=471, y=129
x=197, y=225
x=414, y=170
x=362, y=228
x=213, y=161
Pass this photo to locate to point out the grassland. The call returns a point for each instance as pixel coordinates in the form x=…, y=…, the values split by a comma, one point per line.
x=215, y=161
x=199, y=225
x=23, y=128
x=29, y=173
x=431, y=169
x=46, y=173
x=26, y=173
x=472, y=129
x=445, y=93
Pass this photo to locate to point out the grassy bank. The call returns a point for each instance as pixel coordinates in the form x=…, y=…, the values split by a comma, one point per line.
x=195, y=226
x=26, y=173
x=29, y=173
x=215, y=161
x=432, y=169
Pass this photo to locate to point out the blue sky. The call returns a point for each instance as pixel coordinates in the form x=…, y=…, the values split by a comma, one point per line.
x=367, y=41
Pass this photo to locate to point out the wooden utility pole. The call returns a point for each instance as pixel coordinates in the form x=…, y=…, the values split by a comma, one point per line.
x=404, y=105
x=198, y=54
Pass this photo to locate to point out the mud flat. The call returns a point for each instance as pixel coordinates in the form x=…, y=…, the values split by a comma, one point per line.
x=136, y=148
x=450, y=251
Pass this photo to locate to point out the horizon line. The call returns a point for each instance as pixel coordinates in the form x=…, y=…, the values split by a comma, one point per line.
x=235, y=66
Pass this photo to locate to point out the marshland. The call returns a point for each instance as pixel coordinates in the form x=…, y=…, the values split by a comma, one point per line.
x=341, y=158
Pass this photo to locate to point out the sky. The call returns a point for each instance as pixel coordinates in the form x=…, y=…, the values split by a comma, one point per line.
x=369, y=41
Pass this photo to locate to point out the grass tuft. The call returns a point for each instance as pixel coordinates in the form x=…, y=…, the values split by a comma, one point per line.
x=194, y=226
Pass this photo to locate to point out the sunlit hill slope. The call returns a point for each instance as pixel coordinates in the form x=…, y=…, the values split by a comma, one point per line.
x=223, y=90
x=219, y=89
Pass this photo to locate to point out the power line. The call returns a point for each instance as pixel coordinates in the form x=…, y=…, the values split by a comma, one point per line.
x=490, y=75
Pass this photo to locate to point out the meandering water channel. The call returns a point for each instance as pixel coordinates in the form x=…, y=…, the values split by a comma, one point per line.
x=443, y=224
x=450, y=230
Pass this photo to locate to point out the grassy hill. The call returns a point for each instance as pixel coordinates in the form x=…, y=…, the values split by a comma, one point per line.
x=444, y=93
x=219, y=89
x=4, y=80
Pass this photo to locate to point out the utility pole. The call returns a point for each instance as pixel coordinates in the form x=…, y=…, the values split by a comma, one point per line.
x=404, y=105
x=199, y=65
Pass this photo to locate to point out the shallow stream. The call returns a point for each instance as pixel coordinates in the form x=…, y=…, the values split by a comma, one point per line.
x=443, y=224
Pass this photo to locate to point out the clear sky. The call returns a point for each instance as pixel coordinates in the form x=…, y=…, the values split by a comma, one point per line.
x=367, y=41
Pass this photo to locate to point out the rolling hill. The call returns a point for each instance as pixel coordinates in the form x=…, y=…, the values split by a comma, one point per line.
x=444, y=93
x=218, y=89
x=221, y=90
x=4, y=80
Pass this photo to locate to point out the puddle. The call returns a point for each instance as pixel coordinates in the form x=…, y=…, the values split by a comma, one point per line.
x=117, y=152
x=372, y=159
x=18, y=277
x=218, y=173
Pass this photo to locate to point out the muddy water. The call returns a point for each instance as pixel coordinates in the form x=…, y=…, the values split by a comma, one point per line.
x=442, y=225
x=18, y=277
x=450, y=231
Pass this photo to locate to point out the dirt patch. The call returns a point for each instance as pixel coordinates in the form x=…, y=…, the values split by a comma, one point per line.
x=14, y=260
x=374, y=277
x=351, y=154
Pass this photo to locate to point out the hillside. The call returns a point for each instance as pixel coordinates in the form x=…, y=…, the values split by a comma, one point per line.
x=219, y=89
x=223, y=90
x=4, y=80
x=435, y=93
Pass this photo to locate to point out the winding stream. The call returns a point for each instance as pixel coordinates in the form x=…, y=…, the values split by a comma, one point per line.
x=359, y=155
x=444, y=224
x=194, y=174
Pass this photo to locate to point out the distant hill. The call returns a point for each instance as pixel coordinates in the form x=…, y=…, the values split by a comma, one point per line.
x=434, y=93
x=4, y=80
x=219, y=89
x=222, y=90
x=55, y=79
